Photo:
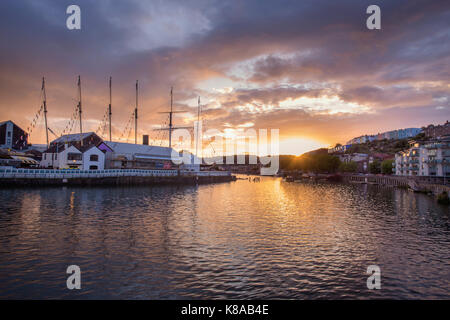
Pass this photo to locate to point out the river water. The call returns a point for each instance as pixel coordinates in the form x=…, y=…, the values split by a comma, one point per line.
x=238, y=240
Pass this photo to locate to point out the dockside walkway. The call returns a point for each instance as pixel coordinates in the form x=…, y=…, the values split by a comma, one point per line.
x=43, y=177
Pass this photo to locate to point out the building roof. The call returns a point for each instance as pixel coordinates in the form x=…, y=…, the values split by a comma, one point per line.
x=140, y=150
x=7, y=121
x=25, y=160
x=57, y=148
x=4, y=154
x=60, y=148
x=72, y=137
x=37, y=147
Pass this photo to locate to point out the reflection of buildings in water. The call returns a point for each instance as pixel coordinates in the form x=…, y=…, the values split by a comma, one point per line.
x=30, y=219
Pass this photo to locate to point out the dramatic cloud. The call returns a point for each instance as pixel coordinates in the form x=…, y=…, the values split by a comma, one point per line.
x=310, y=68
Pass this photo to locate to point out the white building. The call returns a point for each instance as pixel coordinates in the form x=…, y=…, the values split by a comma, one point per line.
x=93, y=159
x=76, y=151
x=395, y=134
x=428, y=159
x=139, y=156
x=72, y=157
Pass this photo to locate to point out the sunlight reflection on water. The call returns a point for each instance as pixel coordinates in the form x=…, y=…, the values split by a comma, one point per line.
x=239, y=240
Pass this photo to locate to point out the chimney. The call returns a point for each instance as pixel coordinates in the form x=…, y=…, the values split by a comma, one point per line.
x=145, y=139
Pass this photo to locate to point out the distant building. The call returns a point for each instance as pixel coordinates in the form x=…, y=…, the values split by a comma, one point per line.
x=427, y=159
x=355, y=157
x=12, y=136
x=339, y=149
x=380, y=156
x=408, y=133
x=389, y=135
x=434, y=132
x=361, y=159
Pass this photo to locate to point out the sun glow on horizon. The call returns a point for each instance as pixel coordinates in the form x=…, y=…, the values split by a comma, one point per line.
x=299, y=145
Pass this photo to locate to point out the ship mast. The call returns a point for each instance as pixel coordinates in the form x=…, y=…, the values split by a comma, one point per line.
x=110, y=108
x=136, y=114
x=45, y=109
x=171, y=126
x=170, y=117
x=198, y=127
x=79, y=110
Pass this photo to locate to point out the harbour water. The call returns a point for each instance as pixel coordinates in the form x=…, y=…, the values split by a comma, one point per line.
x=237, y=240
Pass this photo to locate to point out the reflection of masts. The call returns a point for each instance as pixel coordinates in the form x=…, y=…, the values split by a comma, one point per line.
x=136, y=115
x=79, y=110
x=110, y=108
x=45, y=109
x=171, y=112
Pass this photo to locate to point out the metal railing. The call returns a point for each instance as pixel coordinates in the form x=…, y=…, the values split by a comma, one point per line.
x=70, y=174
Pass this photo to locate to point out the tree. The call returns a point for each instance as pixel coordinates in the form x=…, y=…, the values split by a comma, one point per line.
x=351, y=166
x=386, y=166
x=375, y=167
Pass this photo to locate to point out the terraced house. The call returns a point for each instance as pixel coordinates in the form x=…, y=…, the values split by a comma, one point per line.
x=427, y=159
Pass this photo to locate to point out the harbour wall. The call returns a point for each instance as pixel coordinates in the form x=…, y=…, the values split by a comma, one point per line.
x=42, y=178
x=435, y=185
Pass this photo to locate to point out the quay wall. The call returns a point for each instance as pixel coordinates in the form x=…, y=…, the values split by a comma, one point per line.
x=433, y=185
x=42, y=178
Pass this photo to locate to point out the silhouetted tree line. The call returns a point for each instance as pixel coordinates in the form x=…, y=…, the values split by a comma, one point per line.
x=325, y=163
x=316, y=162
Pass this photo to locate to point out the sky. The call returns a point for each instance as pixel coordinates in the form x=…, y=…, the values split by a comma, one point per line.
x=311, y=69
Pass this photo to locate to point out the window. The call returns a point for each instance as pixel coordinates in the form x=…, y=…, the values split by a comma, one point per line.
x=93, y=157
x=74, y=156
x=56, y=156
x=9, y=134
x=93, y=167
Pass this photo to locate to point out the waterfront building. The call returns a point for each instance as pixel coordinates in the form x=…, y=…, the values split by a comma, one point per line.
x=12, y=136
x=427, y=159
x=76, y=151
x=361, y=159
x=73, y=157
x=137, y=156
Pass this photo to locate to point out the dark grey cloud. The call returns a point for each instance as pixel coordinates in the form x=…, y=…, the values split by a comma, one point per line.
x=288, y=49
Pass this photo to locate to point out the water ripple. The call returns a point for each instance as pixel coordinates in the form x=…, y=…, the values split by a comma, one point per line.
x=238, y=240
